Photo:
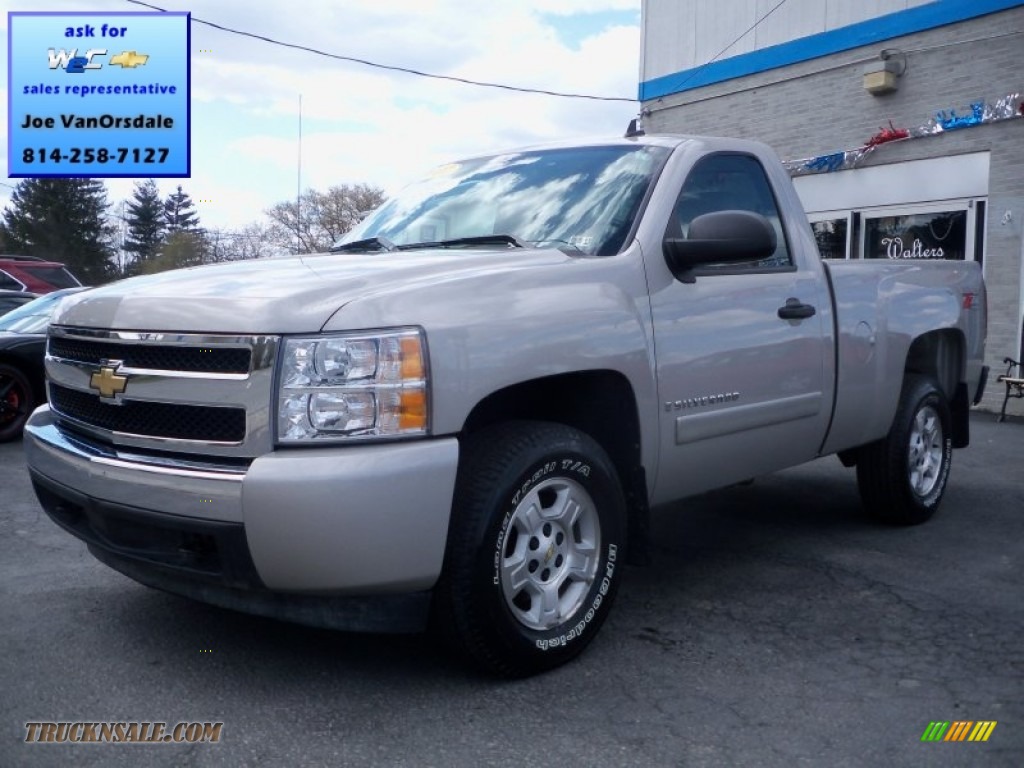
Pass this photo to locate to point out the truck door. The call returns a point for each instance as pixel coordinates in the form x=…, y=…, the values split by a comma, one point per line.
x=740, y=350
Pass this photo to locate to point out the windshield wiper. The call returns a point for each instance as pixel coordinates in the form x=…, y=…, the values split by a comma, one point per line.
x=457, y=242
x=371, y=244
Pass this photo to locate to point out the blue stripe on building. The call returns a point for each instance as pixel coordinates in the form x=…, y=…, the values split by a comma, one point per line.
x=917, y=19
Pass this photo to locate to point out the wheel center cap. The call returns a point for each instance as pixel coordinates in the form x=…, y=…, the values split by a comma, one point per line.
x=550, y=553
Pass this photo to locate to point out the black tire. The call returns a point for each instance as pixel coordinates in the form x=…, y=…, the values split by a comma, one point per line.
x=17, y=401
x=902, y=477
x=504, y=563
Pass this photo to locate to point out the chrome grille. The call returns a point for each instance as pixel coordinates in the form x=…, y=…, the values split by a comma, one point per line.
x=153, y=356
x=164, y=420
x=200, y=394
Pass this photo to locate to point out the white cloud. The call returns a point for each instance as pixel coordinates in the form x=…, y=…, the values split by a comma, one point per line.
x=573, y=7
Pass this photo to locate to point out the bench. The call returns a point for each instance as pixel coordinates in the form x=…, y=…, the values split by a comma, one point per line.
x=1014, y=384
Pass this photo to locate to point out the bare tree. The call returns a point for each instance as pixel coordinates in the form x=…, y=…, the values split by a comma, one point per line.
x=254, y=241
x=322, y=217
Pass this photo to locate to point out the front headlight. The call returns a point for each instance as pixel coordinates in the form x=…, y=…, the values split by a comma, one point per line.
x=356, y=385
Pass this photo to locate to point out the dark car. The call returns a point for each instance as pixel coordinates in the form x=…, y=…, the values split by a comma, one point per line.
x=22, y=348
x=30, y=273
x=13, y=299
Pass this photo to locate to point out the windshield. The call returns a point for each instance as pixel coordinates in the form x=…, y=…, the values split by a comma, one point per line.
x=34, y=316
x=584, y=199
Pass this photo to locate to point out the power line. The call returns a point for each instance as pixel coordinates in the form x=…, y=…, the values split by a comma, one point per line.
x=714, y=58
x=392, y=68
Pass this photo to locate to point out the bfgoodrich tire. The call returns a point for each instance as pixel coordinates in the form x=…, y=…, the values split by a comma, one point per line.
x=535, y=548
x=902, y=477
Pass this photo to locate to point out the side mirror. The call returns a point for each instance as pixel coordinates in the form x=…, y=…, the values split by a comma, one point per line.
x=720, y=237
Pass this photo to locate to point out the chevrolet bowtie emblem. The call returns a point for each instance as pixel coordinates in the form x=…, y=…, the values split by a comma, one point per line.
x=129, y=59
x=107, y=381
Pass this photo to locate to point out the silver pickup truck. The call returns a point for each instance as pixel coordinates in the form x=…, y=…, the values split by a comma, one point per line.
x=461, y=417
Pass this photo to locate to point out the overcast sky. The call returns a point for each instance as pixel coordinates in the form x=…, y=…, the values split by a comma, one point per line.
x=368, y=125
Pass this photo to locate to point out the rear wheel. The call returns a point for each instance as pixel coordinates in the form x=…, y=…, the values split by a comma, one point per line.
x=903, y=476
x=533, y=560
x=16, y=402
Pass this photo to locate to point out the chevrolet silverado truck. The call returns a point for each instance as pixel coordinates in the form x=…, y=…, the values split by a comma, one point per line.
x=460, y=418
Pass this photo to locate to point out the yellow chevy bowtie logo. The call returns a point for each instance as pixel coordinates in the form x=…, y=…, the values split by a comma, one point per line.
x=108, y=382
x=129, y=59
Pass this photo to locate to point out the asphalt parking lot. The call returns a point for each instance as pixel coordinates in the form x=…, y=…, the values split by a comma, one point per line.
x=776, y=627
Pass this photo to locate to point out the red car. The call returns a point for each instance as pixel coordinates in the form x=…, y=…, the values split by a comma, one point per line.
x=30, y=273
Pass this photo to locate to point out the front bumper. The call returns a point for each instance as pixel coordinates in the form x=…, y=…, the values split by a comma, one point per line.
x=278, y=537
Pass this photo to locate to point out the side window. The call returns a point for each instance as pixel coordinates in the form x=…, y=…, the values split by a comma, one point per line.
x=727, y=182
x=9, y=283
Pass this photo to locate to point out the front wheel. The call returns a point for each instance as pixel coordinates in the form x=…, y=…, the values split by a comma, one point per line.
x=902, y=477
x=533, y=559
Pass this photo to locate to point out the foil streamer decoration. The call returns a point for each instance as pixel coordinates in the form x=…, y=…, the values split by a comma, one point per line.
x=1009, y=107
x=835, y=161
x=931, y=128
x=1005, y=108
x=952, y=122
x=827, y=163
x=885, y=135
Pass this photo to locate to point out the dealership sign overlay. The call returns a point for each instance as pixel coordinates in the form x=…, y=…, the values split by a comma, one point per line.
x=98, y=94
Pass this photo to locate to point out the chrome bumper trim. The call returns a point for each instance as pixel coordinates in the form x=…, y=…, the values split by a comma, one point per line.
x=173, y=486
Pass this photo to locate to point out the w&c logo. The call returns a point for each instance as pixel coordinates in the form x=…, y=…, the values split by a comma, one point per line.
x=74, y=64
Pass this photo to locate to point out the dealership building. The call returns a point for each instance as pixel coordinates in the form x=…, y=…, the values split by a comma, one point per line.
x=901, y=122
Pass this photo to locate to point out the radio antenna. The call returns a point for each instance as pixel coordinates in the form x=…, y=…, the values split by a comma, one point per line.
x=298, y=188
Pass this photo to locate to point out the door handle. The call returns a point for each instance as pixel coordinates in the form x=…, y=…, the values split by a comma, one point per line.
x=796, y=310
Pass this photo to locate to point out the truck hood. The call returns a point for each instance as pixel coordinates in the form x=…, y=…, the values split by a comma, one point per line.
x=287, y=295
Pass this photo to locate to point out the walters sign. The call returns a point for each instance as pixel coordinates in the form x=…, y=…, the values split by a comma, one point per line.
x=895, y=249
x=941, y=235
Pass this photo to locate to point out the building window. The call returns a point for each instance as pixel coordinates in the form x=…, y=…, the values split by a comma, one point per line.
x=830, y=235
x=936, y=235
